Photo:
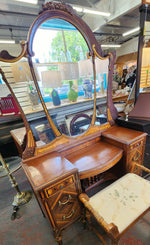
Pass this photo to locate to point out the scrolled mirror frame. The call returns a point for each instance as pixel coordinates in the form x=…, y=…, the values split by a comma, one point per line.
x=30, y=146
x=63, y=11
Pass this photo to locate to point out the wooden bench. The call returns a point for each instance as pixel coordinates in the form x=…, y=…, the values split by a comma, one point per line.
x=119, y=205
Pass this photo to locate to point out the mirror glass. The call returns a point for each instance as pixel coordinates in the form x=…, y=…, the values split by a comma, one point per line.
x=64, y=75
x=102, y=69
x=20, y=80
x=65, y=78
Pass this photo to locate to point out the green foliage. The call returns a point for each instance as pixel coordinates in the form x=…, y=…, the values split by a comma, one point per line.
x=75, y=44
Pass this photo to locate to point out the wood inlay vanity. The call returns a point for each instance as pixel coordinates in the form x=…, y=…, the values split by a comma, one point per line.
x=63, y=166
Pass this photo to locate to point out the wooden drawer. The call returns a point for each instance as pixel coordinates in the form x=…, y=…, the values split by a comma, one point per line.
x=59, y=186
x=136, y=155
x=64, y=206
x=136, y=144
x=65, y=210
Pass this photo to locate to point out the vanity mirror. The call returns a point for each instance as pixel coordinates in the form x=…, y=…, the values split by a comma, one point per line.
x=60, y=71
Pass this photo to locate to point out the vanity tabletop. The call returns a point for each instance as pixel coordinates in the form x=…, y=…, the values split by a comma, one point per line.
x=123, y=135
x=45, y=169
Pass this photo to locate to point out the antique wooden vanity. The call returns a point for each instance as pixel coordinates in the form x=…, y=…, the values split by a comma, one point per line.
x=64, y=166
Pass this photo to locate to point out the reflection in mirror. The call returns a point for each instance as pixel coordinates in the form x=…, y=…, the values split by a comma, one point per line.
x=124, y=82
x=102, y=69
x=20, y=80
x=65, y=75
x=10, y=50
x=145, y=66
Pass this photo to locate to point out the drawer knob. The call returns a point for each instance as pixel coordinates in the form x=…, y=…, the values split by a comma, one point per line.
x=63, y=203
x=67, y=217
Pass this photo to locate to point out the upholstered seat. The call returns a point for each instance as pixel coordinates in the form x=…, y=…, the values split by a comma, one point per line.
x=120, y=204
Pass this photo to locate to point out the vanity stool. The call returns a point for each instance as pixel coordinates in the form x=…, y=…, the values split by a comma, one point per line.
x=118, y=206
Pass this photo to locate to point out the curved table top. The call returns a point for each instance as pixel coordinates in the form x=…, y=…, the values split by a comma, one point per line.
x=95, y=159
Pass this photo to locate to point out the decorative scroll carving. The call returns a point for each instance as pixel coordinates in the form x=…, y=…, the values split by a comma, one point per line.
x=57, y=6
x=30, y=149
x=96, y=54
x=6, y=57
x=29, y=152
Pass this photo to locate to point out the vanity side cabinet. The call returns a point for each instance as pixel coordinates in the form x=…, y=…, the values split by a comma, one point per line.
x=135, y=154
x=56, y=185
x=131, y=141
x=59, y=202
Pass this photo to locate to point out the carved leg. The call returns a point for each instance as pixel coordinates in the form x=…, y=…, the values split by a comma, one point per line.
x=88, y=216
x=59, y=242
x=58, y=237
x=83, y=217
x=114, y=243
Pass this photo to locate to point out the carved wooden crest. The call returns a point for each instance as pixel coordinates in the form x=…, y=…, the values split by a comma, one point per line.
x=58, y=6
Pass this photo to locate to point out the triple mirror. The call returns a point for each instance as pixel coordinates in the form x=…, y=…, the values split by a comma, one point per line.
x=68, y=78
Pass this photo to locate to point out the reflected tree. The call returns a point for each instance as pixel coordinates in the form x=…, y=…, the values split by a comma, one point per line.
x=76, y=47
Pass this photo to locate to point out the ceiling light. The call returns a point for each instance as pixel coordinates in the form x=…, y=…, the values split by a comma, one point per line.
x=131, y=31
x=110, y=45
x=91, y=11
x=78, y=9
x=7, y=41
x=27, y=1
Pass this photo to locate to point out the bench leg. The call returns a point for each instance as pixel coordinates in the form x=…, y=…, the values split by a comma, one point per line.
x=114, y=243
x=88, y=216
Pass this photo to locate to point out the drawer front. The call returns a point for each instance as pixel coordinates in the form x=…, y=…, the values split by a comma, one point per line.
x=59, y=186
x=137, y=144
x=135, y=156
x=64, y=206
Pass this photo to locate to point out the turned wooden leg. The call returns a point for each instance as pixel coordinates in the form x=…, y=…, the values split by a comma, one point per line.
x=83, y=217
x=58, y=237
x=59, y=240
x=115, y=243
x=88, y=216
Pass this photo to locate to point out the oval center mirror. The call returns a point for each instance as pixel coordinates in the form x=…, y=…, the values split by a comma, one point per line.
x=64, y=75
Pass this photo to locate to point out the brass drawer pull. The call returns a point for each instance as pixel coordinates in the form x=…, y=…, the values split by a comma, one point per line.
x=136, y=157
x=63, y=203
x=67, y=217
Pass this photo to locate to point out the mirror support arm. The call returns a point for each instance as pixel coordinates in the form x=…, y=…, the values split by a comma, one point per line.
x=94, y=111
x=55, y=130
x=30, y=148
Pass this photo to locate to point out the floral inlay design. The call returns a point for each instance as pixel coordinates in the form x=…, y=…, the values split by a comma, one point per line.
x=127, y=196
